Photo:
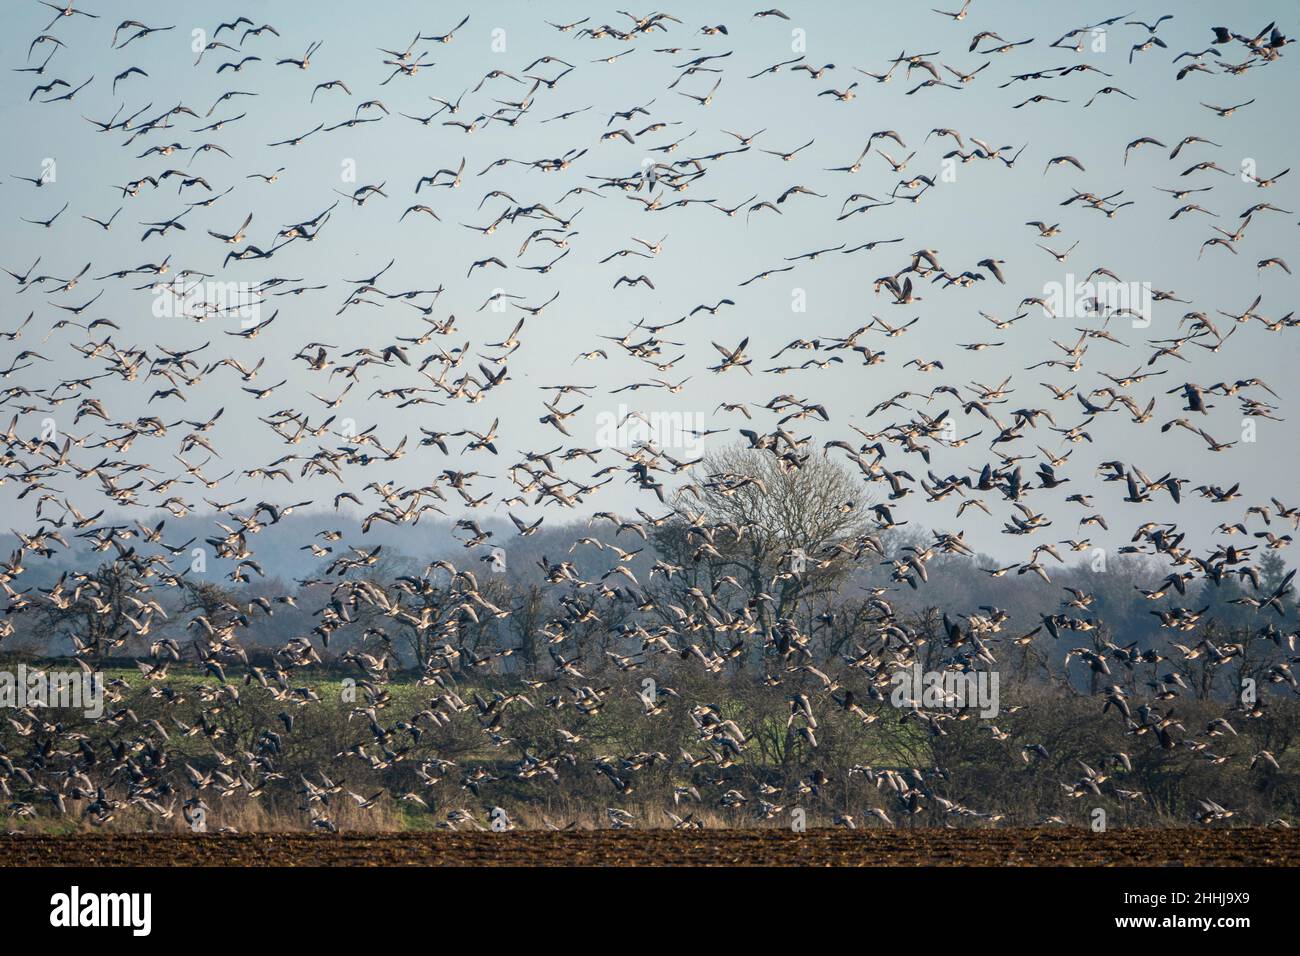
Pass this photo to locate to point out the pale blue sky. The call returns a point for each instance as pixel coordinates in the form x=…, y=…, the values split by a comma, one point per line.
x=705, y=255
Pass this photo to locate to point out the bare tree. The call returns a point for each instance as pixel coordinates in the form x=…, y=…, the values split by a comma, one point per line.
x=781, y=532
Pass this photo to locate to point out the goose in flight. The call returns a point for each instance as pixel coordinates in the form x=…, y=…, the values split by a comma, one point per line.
x=956, y=15
x=449, y=35
x=329, y=85
x=733, y=358
x=68, y=10
x=1062, y=160
x=1226, y=111
x=305, y=61
x=788, y=156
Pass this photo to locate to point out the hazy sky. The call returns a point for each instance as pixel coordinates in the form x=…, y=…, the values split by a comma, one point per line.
x=979, y=213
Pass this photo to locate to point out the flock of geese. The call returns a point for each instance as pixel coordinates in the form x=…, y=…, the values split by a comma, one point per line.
x=143, y=431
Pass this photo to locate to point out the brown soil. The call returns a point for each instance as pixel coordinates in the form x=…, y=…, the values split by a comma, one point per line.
x=928, y=847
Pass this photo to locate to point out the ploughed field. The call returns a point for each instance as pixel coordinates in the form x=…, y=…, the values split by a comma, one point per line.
x=1054, y=846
